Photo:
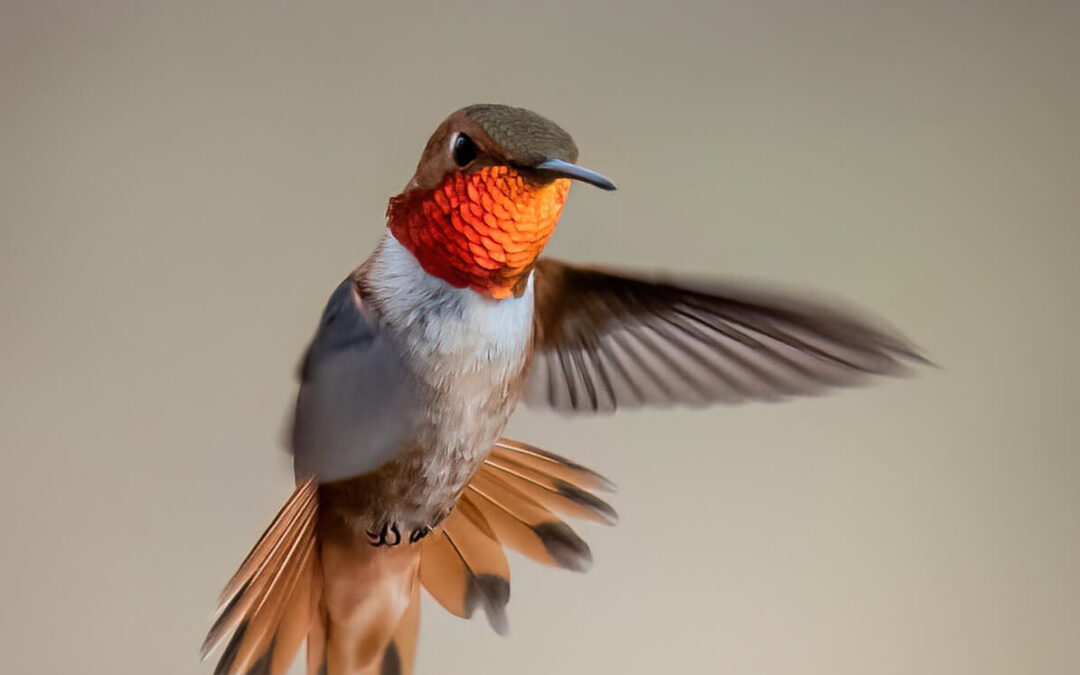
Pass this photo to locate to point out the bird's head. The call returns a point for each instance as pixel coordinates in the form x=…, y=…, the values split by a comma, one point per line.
x=486, y=197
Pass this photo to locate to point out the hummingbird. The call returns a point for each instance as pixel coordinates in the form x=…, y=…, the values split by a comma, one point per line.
x=403, y=479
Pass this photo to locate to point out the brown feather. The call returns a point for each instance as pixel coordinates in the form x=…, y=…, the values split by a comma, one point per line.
x=399, y=657
x=549, y=463
x=444, y=575
x=265, y=618
x=464, y=566
x=316, y=637
x=269, y=592
x=246, y=604
x=291, y=515
x=553, y=493
x=526, y=526
x=294, y=624
x=366, y=591
x=509, y=502
x=608, y=340
x=489, y=580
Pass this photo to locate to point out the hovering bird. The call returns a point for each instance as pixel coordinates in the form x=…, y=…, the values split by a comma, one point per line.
x=421, y=356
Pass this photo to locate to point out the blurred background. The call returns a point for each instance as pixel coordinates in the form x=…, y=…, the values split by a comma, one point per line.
x=183, y=184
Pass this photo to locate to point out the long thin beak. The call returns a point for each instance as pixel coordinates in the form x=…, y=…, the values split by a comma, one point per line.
x=557, y=166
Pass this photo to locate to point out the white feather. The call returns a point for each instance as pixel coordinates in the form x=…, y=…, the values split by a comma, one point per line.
x=441, y=322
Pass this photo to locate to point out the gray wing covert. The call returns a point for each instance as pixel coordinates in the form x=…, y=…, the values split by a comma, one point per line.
x=355, y=408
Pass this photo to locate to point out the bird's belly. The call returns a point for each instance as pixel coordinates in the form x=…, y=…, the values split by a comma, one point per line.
x=413, y=492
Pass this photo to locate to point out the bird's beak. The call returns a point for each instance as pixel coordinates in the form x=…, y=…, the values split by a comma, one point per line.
x=568, y=170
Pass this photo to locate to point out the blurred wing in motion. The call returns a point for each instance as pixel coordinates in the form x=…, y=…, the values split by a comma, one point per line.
x=607, y=341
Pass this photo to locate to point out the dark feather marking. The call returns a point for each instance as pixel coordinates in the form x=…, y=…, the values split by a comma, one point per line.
x=561, y=542
x=591, y=348
x=586, y=499
x=719, y=347
x=553, y=374
x=229, y=655
x=216, y=631
x=778, y=357
x=391, y=662
x=644, y=367
x=262, y=666
x=567, y=368
x=775, y=382
x=840, y=334
x=627, y=378
x=590, y=388
x=817, y=378
x=564, y=545
x=716, y=323
x=495, y=591
x=771, y=330
x=529, y=449
x=564, y=489
x=676, y=367
x=481, y=588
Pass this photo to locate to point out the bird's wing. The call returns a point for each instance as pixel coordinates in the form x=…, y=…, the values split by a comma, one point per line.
x=356, y=405
x=607, y=340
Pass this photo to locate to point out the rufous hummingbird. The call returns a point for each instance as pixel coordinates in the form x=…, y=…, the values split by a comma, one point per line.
x=421, y=356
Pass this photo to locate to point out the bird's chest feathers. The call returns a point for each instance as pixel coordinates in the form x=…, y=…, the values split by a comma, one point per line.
x=466, y=347
x=467, y=355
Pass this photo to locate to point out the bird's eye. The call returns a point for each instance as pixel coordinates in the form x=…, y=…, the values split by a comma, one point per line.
x=465, y=150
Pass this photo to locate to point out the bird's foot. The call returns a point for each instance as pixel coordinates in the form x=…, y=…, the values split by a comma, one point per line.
x=387, y=535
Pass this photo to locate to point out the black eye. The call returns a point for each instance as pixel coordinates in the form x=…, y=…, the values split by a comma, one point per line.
x=465, y=150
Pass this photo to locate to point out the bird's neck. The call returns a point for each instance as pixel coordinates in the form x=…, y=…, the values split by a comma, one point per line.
x=447, y=331
x=482, y=230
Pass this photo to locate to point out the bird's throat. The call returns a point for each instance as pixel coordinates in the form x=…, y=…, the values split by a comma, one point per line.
x=482, y=230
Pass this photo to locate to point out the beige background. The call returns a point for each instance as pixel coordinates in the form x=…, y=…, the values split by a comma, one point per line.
x=182, y=184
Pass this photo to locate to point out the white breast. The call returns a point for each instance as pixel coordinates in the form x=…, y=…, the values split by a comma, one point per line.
x=447, y=326
x=467, y=354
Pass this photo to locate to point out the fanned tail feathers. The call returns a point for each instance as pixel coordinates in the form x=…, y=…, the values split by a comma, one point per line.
x=268, y=604
x=511, y=501
x=358, y=606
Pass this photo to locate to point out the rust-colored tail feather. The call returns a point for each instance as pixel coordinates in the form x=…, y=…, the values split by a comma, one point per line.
x=358, y=606
x=399, y=657
x=549, y=463
x=343, y=596
x=366, y=592
x=526, y=526
x=510, y=502
x=265, y=603
x=463, y=566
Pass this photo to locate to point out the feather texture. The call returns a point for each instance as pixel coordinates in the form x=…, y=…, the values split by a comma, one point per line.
x=463, y=566
x=266, y=605
x=548, y=463
x=366, y=592
x=511, y=502
x=608, y=340
x=399, y=657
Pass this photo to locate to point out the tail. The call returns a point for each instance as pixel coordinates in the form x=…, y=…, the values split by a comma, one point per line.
x=272, y=602
x=358, y=607
x=511, y=501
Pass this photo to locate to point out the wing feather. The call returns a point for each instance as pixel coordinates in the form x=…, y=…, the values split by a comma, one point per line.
x=355, y=401
x=607, y=340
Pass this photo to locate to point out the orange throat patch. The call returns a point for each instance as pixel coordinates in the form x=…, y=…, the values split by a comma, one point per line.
x=482, y=230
